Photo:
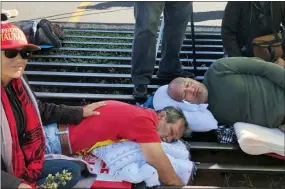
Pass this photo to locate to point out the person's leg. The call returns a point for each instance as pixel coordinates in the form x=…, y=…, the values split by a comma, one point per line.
x=147, y=16
x=52, y=139
x=177, y=16
x=55, y=166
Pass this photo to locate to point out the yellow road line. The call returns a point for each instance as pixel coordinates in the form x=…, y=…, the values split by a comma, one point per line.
x=75, y=17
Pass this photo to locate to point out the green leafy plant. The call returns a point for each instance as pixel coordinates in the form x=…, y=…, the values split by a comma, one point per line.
x=52, y=182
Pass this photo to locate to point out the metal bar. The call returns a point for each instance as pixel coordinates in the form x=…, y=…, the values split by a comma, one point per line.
x=203, y=187
x=82, y=57
x=80, y=74
x=95, y=49
x=98, y=37
x=130, y=51
x=94, y=43
x=193, y=39
x=130, y=44
x=159, y=36
x=77, y=74
x=240, y=168
x=204, y=40
x=212, y=146
x=114, y=58
x=90, y=25
x=100, y=31
x=131, y=32
x=83, y=96
x=131, y=38
x=76, y=84
x=90, y=65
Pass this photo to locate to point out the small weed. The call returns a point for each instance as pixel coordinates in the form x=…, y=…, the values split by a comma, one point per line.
x=247, y=182
x=95, y=46
x=108, y=34
x=98, y=40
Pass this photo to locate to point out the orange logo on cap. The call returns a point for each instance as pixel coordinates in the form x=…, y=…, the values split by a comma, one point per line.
x=13, y=34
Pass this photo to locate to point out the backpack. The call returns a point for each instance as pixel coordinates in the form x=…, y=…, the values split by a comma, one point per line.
x=43, y=32
x=269, y=47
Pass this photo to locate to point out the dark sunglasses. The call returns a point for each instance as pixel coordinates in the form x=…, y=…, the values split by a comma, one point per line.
x=12, y=53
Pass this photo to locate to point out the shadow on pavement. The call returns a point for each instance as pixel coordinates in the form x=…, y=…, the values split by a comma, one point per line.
x=198, y=16
x=110, y=4
x=69, y=15
x=211, y=15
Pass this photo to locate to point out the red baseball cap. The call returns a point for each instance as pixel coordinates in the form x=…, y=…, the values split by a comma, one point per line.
x=13, y=37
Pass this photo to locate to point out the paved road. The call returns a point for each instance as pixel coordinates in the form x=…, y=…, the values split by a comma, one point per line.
x=206, y=13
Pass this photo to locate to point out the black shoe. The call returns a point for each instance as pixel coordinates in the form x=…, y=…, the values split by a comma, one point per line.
x=140, y=91
x=170, y=76
x=187, y=74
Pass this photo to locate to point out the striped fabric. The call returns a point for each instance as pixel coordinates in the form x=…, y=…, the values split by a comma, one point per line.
x=226, y=134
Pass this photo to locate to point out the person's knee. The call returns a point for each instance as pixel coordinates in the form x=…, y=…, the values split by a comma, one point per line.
x=147, y=24
x=71, y=167
x=74, y=168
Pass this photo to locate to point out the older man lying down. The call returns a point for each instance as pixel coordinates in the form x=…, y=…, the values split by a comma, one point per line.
x=238, y=89
x=197, y=115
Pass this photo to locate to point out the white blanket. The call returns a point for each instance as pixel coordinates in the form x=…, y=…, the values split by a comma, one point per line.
x=124, y=161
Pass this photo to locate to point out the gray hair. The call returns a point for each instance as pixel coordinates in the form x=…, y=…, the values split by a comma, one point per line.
x=173, y=114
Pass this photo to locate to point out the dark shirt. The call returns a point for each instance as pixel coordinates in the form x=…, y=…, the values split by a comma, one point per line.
x=7, y=180
x=244, y=21
x=18, y=112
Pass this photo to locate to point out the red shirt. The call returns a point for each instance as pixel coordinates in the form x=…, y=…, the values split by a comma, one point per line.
x=117, y=121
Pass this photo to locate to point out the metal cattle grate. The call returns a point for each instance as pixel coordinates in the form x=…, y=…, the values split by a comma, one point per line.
x=96, y=56
x=95, y=64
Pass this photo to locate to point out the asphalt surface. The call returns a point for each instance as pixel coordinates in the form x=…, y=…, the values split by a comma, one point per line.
x=111, y=12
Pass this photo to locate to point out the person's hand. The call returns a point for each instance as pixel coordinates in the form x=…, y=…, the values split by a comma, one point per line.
x=280, y=62
x=89, y=110
x=23, y=185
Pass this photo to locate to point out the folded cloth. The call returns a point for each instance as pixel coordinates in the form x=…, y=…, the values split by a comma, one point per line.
x=126, y=162
x=138, y=172
x=256, y=140
x=148, y=102
x=176, y=149
x=132, y=166
x=120, y=154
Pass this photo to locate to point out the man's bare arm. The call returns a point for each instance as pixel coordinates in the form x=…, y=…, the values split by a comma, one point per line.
x=156, y=157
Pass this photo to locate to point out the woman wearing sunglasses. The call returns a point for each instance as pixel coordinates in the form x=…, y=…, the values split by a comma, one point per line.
x=22, y=137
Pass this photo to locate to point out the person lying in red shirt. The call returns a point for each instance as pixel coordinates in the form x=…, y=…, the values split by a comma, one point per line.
x=120, y=121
